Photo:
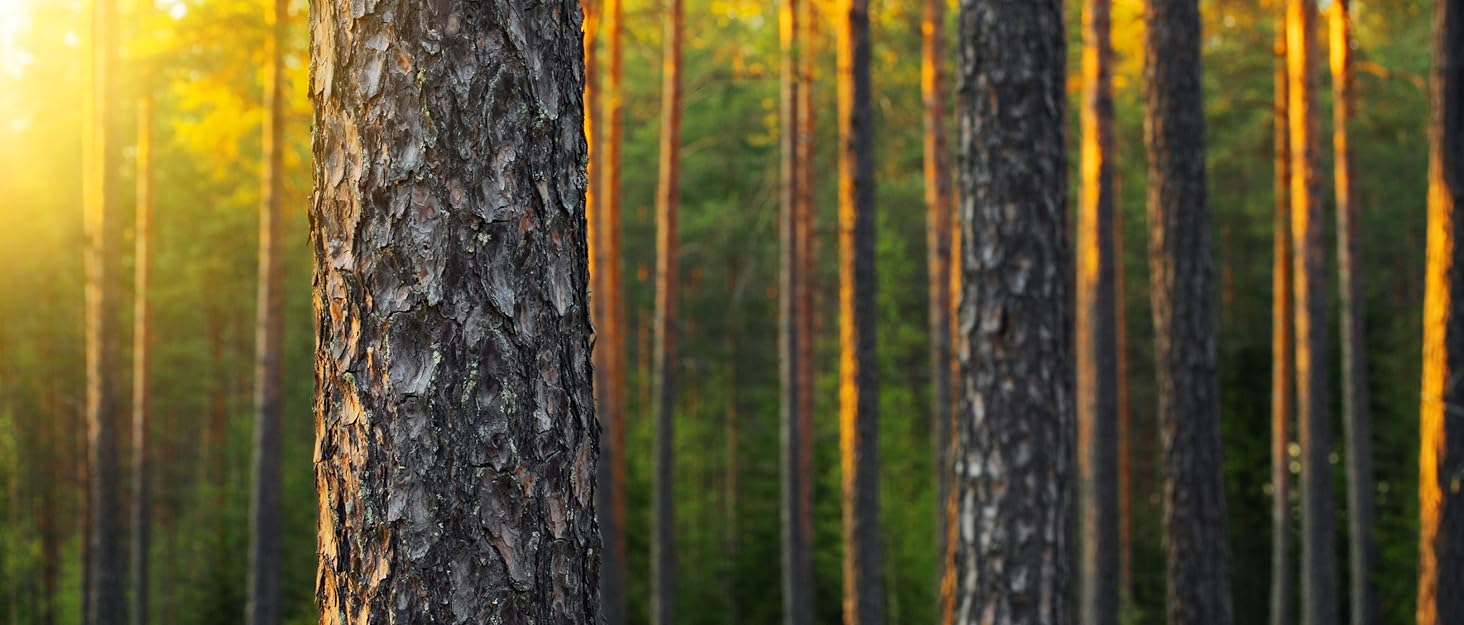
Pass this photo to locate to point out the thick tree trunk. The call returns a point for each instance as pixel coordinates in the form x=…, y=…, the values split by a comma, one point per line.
x=1015, y=428
x=1283, y=373
x=141, y=366
x=1441, y=427
x=1182, y=289
x=858, y=367
x=668, y=194
x=1356, y=428
x=1097, y=383
x=1314, y=431
x=106, y=595
x=456, y=438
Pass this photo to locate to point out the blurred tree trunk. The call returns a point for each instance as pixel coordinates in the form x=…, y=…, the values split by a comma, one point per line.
x=456, y=440
x=1441, y=425
x=1097, y=382
x=1356, y=427
x=1124, y=432
x=1283, y=374
x=1012, y=468
x=668, y=193
x=858, y=366
x=141, y=365
x=106, y=602
x=1182, y=289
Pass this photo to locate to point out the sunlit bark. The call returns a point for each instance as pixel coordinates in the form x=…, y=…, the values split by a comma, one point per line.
x=1283, y=374
x=668, y=196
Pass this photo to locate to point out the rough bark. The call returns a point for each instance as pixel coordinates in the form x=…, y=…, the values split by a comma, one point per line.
x=263, y=607
x=105, y=596
x=1283, y=373
x=1356, y=427
x=858, y=374
x=1015, y=428
x=1441, y=425
x=456, y=438
x=141, y=365
x=1182, y=291
x=1097, y=384
x=668, y=193
x=1314, y=424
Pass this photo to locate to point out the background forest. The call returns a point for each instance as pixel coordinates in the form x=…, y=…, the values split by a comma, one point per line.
x=201, y=62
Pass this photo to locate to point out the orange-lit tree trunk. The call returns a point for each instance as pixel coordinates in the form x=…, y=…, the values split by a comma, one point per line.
x=1283, y=374
x=1182, y=291
x=1356, y=427
x=1097, y=382
x=106, y=595
x=141, y=364
x=668, y=194
x=1012, y=466
x=1314, y=424
x=1441, y=425
x=858, y=379
x=264, y=506
x=456, y=441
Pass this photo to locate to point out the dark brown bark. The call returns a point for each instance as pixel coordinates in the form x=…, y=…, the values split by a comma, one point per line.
x=1356, y=427
x=1308, y=264
x=1441, y=425
x=1012, y=469
x=141, y=366
x=456, y=438
x=668, y=194
x=1182, y=291
x=858, y=367
x=263, y=606
x=1283, y=373
x=105, y=596
x=1097, y=384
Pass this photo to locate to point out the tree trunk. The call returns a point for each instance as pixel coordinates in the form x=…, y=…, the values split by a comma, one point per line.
x=1355, y=420
x=456, y=438
x=105, y=598
x=1182, y=289
x=858, y=366
x=1097, y=382
x=668, y=193
x=1012, y=468
x=803, y=288
x=1441, y=428
x=1314, y=431
x=1124, y=428
x=1283, y=374
x=141, y=366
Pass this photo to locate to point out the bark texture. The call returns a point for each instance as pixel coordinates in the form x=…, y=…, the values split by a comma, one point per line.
x=105, y=594
x=1441, y=425
x=668, y=196
x=858, y=373
x=1182, y=291
x=1015, y=423
x=1097, y=384
x=141, y=365
x=263, y=606
x=1283, y=372
x=456, y=441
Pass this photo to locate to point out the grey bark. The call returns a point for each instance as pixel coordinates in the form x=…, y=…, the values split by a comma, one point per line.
x=1015, y=422
x=1182, y=290
x=456, y=438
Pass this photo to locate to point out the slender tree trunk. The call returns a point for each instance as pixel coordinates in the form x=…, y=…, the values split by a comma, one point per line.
x=1097, y=382
x=105, y=598
x=1012, y=468
x=1314, y=432
x=1124, y=428
x=1441, y=425
x=1283, y=373
x=1182, y=289
x=456, y=438
x=1355, y=420
x=858, y=367
x=668, y=193
x=804, y=244
x=141, y=366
